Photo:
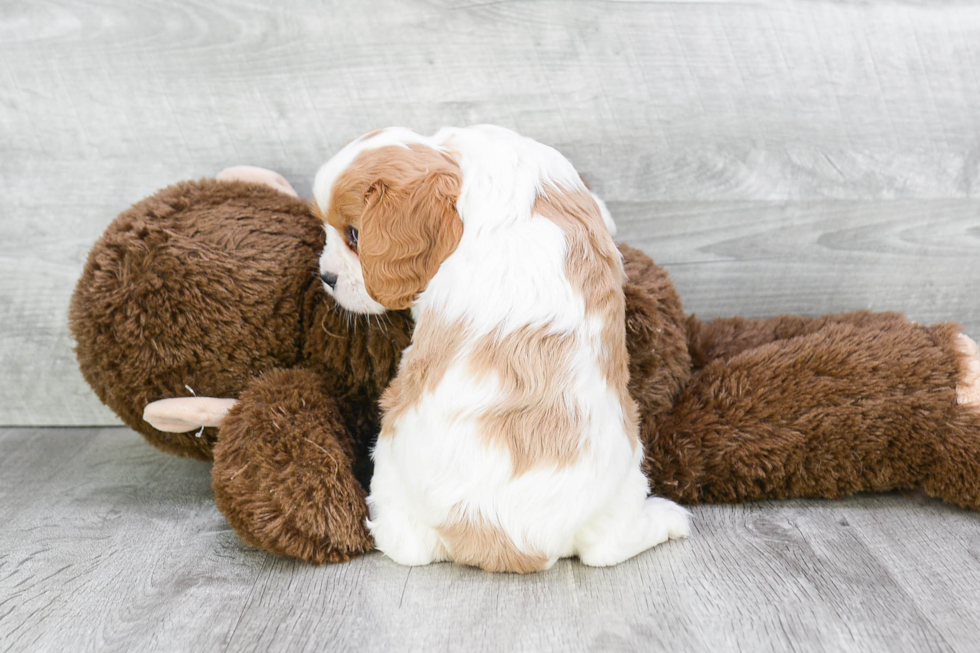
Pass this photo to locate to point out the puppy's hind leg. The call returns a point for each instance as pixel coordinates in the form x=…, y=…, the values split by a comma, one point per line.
x=631, y=525
x=400, y=535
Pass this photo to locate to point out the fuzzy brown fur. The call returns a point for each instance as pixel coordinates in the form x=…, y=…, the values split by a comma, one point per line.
x=214, y=285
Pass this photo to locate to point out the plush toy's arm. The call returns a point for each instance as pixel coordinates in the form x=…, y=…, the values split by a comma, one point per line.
x=727, y=337
x=283, y=471
x=840, y=410
x=182, y=414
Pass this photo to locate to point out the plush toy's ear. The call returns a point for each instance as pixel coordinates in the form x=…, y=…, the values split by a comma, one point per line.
x=258, y=175
x=407, y=230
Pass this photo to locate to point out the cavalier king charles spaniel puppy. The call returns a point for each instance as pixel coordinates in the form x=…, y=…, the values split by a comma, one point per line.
x=508, y=438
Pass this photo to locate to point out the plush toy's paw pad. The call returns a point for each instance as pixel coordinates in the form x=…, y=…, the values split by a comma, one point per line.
x=968, y=388
x=182, y=414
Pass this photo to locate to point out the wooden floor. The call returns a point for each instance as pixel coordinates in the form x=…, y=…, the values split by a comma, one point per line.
x=107, y=544
x=801, y=156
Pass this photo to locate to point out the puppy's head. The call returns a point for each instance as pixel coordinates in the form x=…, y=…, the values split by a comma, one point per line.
x=391, y=220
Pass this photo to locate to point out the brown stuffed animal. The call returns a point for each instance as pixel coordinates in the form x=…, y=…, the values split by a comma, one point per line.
x=211, y=288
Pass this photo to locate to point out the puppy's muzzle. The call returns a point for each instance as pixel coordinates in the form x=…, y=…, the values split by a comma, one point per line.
x=329, y=278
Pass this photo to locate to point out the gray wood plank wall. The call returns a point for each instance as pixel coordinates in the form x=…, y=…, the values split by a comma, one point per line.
x=806, y=156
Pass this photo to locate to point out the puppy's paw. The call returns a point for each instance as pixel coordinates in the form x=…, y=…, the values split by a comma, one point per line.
x=675, y=519
x=968, y=388
x=404, y=540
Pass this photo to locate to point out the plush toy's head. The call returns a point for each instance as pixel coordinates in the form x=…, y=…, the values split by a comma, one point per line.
x=207, y=285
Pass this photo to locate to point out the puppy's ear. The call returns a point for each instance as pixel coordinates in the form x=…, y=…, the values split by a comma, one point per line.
x=408, y=228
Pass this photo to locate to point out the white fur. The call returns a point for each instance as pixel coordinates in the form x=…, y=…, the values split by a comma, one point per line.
x=507, y=272
x=349, y=290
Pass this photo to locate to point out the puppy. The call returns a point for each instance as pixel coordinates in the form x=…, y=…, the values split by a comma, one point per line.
x=508, y=438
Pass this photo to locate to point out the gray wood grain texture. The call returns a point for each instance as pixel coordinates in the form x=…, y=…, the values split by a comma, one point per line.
x=108, y=545
x=806, y=156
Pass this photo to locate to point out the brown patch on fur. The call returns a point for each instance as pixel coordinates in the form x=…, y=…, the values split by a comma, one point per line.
x=435, y=344
x=481, y=544
x=536, y=421
x=595, y=269
x=402, y=201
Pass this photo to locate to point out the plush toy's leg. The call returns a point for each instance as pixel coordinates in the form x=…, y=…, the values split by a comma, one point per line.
x=729, y=336
x=844, y=409
x=283, y=471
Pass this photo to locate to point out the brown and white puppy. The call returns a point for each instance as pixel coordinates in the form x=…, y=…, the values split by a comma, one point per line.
x=508, y=439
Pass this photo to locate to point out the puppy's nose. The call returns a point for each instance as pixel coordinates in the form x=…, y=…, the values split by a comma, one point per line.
x=329, y=278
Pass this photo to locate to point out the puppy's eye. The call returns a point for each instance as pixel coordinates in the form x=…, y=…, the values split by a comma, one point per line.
x=350, y=235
